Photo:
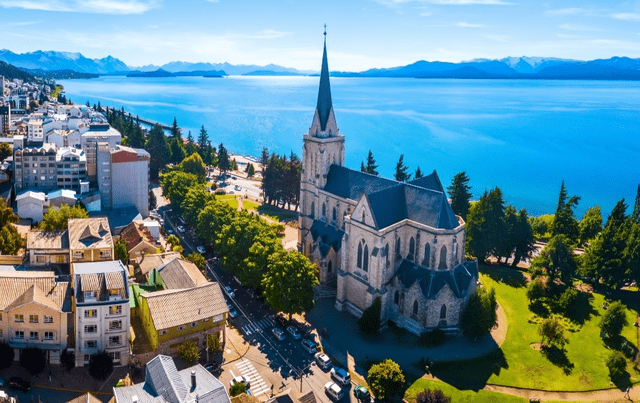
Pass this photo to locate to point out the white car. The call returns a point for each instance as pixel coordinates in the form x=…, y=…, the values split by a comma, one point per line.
x=323, y=360
x=279, y=333
x=229, y=291
x=238, y=379
x=309, y=345
x=201, y=250
x=181, y=229
x=232, y=311
x=334, y=391
x=341, y=375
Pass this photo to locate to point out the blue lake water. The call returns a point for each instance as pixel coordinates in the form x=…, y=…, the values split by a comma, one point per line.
x=524, y=136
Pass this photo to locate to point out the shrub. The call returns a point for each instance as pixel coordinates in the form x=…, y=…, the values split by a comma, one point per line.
x=567, y=300
x=189, y=351
x=6, y=355
x=614, y=320
x=480, y=316
x=552, y=331
x=432, y=396
x=68, y=359
x=385, y=379
x=369, y=322
x=537, y=290
x=237, y=389
x=214, y=345
x=100, y=365
x=434, y=337
x=617, y=364
x=33, y=360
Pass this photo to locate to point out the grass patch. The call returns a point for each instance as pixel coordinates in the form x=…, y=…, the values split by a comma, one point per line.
x=233, y=202
x=251, y=206
x=276, y=213
x=457, y=395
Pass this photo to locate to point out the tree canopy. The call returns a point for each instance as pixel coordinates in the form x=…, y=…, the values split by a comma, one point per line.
x=385, y=379
x=158, y=148
x=59, y=218
x=564, y=222
x=460, y=194
x=402, y=171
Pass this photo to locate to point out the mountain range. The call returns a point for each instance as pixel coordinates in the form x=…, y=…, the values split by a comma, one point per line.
x=510, y=67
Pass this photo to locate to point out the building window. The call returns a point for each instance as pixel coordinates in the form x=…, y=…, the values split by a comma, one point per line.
x=105, y=253
x=90, y=328
x=412, y=249
x=78, y=254
x=60, y=259
x=329, y=267
x=48, y=335
x=443, y=259
x=33, y=318
x=363, y=256
x=396, y=298
x=427, y=255
x=443, y=312
x=19, y=334
x=90, y=295
x=115, y=355
x=312, y=213
x=40, y=259
x=115, y=325
x=324, y=211
x=398, y=248
x=90, y=313
x=48, y=319
x=163, y=332
x=415, y=307
x=19, y=318
x=115, y=310
x=0, y=316
x=181, y=328
x=33, y=335
x=335, y=215
x=90, y=343
x=194, y=324
x=114, y=341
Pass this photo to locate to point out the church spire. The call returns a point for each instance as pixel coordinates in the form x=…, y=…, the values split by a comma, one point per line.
x=324, y=107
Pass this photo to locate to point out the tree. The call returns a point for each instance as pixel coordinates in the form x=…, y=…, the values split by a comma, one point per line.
x=558, y=259
x=33, y=360
x=251, y=170
x=371, y=167
x=173, y=240
x=432, y=396
x=212, y=218
x=56, y=219
x=460, y=193
x=537, y=290
x=402, y=170
x=175, y=186
x=191, y=146
x=193, y=164
x=10, y=239
x=418, y=173
x=100, y=365
x=194, y=201
x=486, y=228
x=6, y=355
x=614, y=320
x=635, y=216
x=632, y=253
x=289, y=281
x=213, y=343
x=197, y=259
x=590, y=225
x=5, y=151
x=369, y=323
x=203, y=140
x=564, y=222
x=616, y=364
x=522, y=238
x=385, y=379
x=120, y=251
x=237, y=389
x=175, y=131
x=541, y=226
x=178, y=151
x=223, y=159
x=189, y=352
x=479, y=316
x=68, y=359
x=552, y=331
x=158, y=148
x=257, y=261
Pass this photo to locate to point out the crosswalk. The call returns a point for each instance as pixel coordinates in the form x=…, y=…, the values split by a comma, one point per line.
x=258, y=385
x=259, y=326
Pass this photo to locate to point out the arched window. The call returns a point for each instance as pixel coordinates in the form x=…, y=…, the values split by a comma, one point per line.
x=386, y=254
x=324, y=210
x=427, y=256
x=329, y=267
x=365, y=264
x=398, y=248
x=396, y=298
x=412, y=248
x=313, y=210
x=359, y=255
x=443, y=312
x=363, y=256
x=443, y=259
x=335, y=214
x=363, y=216
x=415, y=307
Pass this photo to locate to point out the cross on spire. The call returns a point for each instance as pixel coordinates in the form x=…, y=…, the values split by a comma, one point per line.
x=325, y=31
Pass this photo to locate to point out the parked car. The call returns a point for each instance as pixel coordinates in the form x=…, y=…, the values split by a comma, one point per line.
x=294, y=332
x=229, y=291
x=237, y=187
x=201, y=250
x=170, y=231
x=279, y=333
x=323, y=360
x=232, y=311
x=341, y=375
x=309, y=346
x=181, y=229
x=334, y=391
x=361, y=393
x=212, y=367
x=238, y=379
x=282, y=321
x=17, y=383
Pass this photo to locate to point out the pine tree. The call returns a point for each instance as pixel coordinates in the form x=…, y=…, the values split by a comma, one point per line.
x=371, y=167
x=402, y=170
x=460, y=194
x=223, y=159
x=636, y=207
x=203, y=141
x=564, y=222
x=158, y=147
x=175, y=132
x=418, y=173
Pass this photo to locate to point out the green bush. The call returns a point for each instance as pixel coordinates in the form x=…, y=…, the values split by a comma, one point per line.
x=6, y=355
x=237, y=389
x=189, y=352
x=432, y=396
x=617, y=364
x=33, y=360
x=434, y=337
x=537, y=290
x=100, y=365
x=480, y=316
x=567, y=300
x=614, y=320
x=385, y=379
x=369, y=322
x=214, y=343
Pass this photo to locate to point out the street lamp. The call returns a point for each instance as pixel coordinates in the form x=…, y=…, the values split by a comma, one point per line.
x=301, y=373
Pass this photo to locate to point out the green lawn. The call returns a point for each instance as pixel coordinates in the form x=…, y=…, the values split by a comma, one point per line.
x=458, y=396
x=230, y=200
x=517, y=364
x=251, y=206
x=276, y=213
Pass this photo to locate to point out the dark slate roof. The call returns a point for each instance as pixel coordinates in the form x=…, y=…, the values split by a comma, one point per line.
x=432, y=281
x=324, y=93
x=350, y=184
x=431, y=181
x=329, y=236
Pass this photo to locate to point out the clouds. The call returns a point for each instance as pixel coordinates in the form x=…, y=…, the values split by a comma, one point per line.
x=468, y=25
x=84, y=6
x=626, y=16
x=443, y=2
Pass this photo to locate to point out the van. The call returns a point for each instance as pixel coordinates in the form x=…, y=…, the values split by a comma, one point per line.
x=334, y=391
x=341, y=376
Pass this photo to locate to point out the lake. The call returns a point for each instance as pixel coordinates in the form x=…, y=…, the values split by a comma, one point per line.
x=524, y=136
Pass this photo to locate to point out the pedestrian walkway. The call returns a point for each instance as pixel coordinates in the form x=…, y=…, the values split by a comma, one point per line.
x=260, y=326
x=258, y=385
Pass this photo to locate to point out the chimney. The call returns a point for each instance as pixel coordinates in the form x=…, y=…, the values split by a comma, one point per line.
x=193, y=379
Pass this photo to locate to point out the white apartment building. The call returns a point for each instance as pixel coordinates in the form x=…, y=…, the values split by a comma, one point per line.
x=99, y=133
x=35, y=131
x=101, y=310
x=71, y=168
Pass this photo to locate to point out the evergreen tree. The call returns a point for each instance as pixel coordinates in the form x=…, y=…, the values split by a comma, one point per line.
x=177, y=150
x=564, y=222
x=203, y=141
x=223, y=159
x=522, y=238
x=486, y=229
x=371, y=166
x=636, y=207
x=159, y=149
x=590, y=225
x=191, y=147
x=175, y=131
x=460, y=193
x=418, y=173
x=557, y=257
x=632, y=253
x=402, y=170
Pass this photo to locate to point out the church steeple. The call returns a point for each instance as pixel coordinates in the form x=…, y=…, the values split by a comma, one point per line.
x=324, y=123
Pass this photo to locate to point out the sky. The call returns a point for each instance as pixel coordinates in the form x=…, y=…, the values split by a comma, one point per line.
x=361, y=34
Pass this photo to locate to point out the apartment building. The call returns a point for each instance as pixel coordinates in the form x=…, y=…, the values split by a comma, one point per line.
x=101, y=310
x=34, y=167
x=90, y=240
x=48, y=247
x=35, y=132
x=98, y=133
x=71, y=164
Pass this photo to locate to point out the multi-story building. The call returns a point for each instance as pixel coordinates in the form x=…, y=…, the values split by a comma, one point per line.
x=48, y=247
x=72, y=168
x=101, y=310
x=98, y=133
x=35, y=133
x=5, y=119
x=90, y=240
x=34, y=311
x=34, y=167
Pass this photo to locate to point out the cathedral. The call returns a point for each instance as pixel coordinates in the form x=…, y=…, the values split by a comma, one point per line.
x=372, y=237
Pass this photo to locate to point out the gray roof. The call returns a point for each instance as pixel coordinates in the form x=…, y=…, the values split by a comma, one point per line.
x=330, y=237
x=324, y=93
x=432, y=281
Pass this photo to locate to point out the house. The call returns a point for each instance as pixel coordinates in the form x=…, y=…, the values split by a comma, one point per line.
x=35, y=309
x=90, y=240
x=48, y=247
x=86, y=398
x=101, y=310
x=181, y=273
x=62, y=196
x=139, y=241
x=165, y=384
x=150, y=262
x=32, y=205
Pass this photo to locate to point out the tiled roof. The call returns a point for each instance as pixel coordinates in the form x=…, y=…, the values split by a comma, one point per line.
x=89, y=233
x=350, y=184
x=135, y=233
x=42, y=239
x=33, y=294
x=180, y=273
x=330, y=237
x=170, y=308
x=432, y=281
x=14, y=285
x=86, y=398
x=150, y=262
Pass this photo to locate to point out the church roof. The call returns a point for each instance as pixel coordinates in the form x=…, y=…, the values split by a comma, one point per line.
x=432, y=281
x=422, y=200
x=330, y=237
x=324, y=93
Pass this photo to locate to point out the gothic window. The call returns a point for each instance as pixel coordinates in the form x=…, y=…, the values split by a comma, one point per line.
x=329, y=267
x=324, y=210
x=360, y=255
x=443, y=312
x=365, y=264
x=443, y=258
x=363, y=256
x=313, y=210
x=335, y=214
x=363, y=216
x=398, y=248
x=415, y=307
x=386, y=254
x=344, y=219
x=412, y=248
x=427, y=255
x=396, y=298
